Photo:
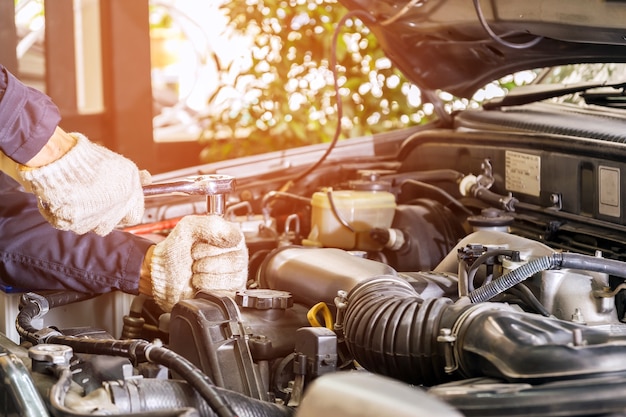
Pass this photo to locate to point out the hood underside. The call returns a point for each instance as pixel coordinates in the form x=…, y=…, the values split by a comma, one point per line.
x=460, y=45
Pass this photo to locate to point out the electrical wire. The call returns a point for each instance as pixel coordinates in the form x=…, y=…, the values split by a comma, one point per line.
x=497, y=38
x=402, y=12
x=335, y=211
x=366, y=18
x=527, y=296
x=449, y=199
x=482, y=259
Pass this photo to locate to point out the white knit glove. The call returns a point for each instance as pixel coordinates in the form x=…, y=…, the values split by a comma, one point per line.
x=201, y=253
x=90, y=188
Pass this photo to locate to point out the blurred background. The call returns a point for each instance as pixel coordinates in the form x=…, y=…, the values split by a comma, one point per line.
x=176, y=83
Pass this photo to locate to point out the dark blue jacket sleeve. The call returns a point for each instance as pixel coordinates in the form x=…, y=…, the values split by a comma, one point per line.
x=36, y=256
x=28, y=118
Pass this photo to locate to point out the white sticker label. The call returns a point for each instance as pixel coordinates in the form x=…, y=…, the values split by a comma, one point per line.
x=523, y=173
x=608, y=184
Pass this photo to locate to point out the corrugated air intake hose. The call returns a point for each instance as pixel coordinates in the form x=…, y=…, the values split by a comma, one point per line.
x=390, y=330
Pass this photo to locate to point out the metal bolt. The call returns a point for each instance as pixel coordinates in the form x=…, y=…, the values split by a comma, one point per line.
x=577, y=337
x=577, y=316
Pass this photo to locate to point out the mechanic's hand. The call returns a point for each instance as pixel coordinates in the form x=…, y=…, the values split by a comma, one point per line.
x=89, y=188
x=201, y=253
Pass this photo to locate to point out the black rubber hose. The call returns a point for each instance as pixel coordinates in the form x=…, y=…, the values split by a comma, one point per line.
x=555, y=261
x=24, y=319
x=163, y=408
x=156, y=395
x=32, y=305
x=136, y=350
x=281, y=194
x=594, y=264
x=526, y=295
x=478, y=262
x=58, y=299
x=391, y=331
x=449, y=175
x=140, y=351
x=507, y=203
x=510, y=279
x=447, y=198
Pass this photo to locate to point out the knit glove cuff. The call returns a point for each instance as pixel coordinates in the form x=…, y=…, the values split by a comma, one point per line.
x=201, y=253
x=90, y=188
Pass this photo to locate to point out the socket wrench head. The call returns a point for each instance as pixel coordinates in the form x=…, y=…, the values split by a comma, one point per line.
x=213, y=186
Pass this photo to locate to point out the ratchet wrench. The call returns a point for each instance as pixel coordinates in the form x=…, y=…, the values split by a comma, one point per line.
x=213, y=186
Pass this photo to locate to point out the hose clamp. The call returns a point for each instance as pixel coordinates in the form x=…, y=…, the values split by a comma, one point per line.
x=42, y=336
x=156, y=344
x=458, y=327
x=43, y=306
x=446, y=336
x=556, y=262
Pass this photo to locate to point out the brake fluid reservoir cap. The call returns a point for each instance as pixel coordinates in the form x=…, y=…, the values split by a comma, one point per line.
x=364, y=185
x=264, y=299
x=370, y=180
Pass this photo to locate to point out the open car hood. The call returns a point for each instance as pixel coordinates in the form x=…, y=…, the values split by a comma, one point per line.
x=442, y=45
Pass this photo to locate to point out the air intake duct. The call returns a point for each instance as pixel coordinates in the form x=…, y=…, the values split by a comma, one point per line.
x=390, y=330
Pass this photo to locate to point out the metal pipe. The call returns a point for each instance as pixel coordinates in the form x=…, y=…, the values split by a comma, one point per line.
x=17, y=380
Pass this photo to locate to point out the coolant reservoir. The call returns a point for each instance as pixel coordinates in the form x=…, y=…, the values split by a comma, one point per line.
x=360, y=211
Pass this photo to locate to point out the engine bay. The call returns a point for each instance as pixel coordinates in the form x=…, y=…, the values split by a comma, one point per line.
x=475, y=269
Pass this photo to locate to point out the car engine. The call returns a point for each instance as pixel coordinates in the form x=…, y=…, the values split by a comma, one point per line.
x=472, y=269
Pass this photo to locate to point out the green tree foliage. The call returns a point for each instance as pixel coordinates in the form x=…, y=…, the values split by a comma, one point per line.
x=284, y=97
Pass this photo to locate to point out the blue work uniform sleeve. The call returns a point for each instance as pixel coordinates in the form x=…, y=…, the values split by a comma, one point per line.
x=28, y=118
x=36, y=256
